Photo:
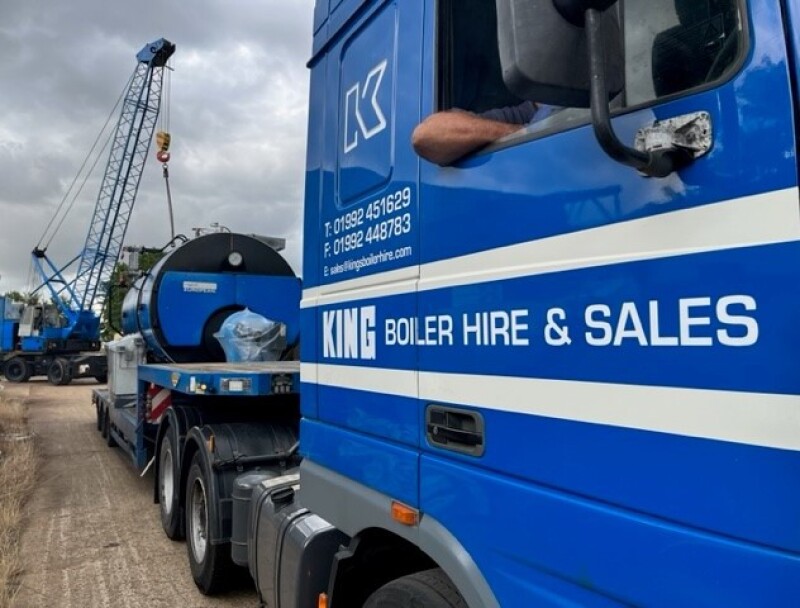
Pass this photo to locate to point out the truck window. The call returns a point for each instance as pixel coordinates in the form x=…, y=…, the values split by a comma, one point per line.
x=671, y=47
x=470, y=77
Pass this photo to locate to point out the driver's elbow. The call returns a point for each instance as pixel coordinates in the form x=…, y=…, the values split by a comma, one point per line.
x=429, y=146
x=421, y=140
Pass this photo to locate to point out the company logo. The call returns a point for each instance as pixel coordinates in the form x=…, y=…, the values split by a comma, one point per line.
x=199, y=287
x=349, y=333
x=363, y=116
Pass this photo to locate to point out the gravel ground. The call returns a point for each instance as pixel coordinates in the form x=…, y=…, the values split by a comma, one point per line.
x=93, y=536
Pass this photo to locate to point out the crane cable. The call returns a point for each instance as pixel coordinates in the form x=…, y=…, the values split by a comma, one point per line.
x=163, y=140
x=77, y=176
x=30, y=280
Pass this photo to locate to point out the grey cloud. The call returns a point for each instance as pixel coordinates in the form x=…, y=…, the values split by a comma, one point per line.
x=237, y=117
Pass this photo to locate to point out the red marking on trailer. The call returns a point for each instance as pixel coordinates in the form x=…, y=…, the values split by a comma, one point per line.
x=158, y=399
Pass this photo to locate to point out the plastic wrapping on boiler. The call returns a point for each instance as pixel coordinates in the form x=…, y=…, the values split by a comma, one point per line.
x=248, y=336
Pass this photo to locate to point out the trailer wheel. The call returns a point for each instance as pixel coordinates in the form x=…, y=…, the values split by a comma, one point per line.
x=168, y=483
x=110, y=441
x=430, y=588
x=211, y=565
x=17, y=370
x=101, y=378
x=99, y=415
x=59, y=373
x=103, y=425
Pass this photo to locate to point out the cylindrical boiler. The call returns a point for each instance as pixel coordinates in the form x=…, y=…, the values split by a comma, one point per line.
x=182, y=301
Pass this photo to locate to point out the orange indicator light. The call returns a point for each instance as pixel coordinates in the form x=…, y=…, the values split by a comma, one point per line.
x=404, y=515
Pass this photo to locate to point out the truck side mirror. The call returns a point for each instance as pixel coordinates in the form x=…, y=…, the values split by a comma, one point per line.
x=543, y=50
x=569, y=53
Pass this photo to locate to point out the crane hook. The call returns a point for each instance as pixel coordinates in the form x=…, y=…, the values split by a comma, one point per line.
x=162, y=141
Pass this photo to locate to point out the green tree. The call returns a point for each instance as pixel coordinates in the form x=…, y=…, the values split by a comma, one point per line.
x=24, y=297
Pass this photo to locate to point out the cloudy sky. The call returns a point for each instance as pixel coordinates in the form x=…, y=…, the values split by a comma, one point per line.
x=238, y=117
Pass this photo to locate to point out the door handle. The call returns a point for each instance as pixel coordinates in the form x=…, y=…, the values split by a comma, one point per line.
x=455, y=429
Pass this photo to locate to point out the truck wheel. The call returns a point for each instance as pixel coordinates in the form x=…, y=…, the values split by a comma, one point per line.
x=99, y=415
x=211, y=565
x=17, y=370
x=168, y=476
x=102, y=378
x=430, y=588
x=59, y=373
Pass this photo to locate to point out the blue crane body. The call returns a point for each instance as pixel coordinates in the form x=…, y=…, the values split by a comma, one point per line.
x=559, y=371
x=54, y=339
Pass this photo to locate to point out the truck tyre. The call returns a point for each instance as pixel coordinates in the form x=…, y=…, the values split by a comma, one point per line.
x=17, y=370
x=99, y=415
x=59, y=373
x=211, y=564
x=101, y=378
x=168, y=484
x=428, y=589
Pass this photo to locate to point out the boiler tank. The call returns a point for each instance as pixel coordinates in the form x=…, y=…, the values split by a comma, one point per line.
x=180, y=304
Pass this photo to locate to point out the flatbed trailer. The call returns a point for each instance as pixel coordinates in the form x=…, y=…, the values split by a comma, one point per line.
x=131, y=421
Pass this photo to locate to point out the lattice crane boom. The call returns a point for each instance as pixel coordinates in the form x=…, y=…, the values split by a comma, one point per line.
x=78, y=299
x=129, y=150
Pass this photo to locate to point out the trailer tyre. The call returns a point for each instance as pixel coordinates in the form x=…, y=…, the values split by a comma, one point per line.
x=17, y=370
x=168, y=484
x=110, y=441
x=428, y=589
x=211, y=565
x=59, y=372
x=103, y=424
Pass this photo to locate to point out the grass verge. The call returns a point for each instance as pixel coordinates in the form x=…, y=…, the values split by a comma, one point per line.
x=17, y=477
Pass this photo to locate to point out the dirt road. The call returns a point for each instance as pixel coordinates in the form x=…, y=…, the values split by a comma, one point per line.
x=93, y=536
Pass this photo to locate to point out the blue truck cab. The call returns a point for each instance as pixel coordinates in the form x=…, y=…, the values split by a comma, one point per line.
x=10, y=314
x=573, y=373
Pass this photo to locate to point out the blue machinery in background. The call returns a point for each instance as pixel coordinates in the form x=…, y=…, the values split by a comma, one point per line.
x=115, y=201
x=74, y=326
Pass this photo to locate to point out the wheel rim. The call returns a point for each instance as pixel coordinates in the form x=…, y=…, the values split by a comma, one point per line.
x=165, y=470
x=199, y=520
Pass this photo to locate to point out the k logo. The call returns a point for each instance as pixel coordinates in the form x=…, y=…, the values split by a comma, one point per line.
x=363, y=114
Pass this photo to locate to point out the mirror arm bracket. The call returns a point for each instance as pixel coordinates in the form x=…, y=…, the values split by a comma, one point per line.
x=656, y=163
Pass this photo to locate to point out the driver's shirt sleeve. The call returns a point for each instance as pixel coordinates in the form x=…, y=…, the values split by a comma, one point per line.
x=520, y=114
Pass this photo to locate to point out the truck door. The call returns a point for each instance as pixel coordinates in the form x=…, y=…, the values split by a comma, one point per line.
x=362, y=245
x=613, y=418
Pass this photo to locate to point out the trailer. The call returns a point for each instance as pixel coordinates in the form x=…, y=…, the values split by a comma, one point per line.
x=557, y=371
x=131, y=422
x=174, y=403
